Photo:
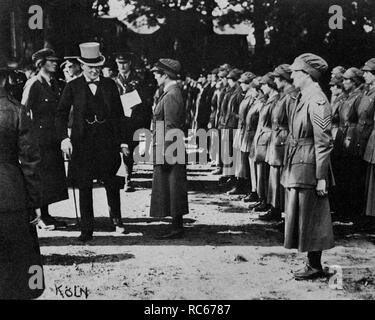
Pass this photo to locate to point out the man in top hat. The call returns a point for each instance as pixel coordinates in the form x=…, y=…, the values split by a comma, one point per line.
x=169, y=183
x=97, y=136
x=127, y=81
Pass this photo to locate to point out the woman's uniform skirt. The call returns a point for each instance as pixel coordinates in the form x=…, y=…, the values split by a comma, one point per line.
x=19, y=252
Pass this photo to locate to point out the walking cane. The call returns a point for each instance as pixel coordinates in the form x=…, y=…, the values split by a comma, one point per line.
x=74, y=194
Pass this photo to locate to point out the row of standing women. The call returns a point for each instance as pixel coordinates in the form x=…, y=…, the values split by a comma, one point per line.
x=286, y=130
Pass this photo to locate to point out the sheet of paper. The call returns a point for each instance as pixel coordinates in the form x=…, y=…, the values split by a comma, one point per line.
x=129, y=100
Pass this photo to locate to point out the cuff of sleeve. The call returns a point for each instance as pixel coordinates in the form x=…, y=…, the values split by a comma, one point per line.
x=124, y=145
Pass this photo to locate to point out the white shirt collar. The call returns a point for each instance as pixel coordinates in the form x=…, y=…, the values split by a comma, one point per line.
x=89, y=80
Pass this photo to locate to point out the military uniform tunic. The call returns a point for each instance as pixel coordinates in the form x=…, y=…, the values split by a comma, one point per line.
x=308, y=225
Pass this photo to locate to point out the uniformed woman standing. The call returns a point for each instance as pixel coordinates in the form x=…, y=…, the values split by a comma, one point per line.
x=262, y=139
x=19, y=202
x=169, y=183
x=369, y=155
x=350, y=169
x=308, y=225
x=42, y=98
x=278, y=120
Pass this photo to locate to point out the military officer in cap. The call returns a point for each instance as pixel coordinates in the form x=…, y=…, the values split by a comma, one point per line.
x=41, y=98
x=127, y=81
x=97, y=136
x=306, y=175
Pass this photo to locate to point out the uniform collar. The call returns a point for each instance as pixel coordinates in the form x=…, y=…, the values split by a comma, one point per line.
x=310, y=89
x=169, y=85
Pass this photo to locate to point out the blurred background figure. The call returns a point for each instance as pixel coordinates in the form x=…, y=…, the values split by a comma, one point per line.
x=20, y=200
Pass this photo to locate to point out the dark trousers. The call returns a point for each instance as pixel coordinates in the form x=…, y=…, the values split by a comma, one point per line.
x=86, y=203
x=129, y=160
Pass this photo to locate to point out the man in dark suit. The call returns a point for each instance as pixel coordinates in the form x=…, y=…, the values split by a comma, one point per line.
x=97, y=136
x=127, y=81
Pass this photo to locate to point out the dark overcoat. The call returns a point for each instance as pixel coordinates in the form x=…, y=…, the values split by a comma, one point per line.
x=251, y=124
x=279, y=124
x=112, y=133
x=345, y=142
x=336, y=105
x=264, y=129
x=19, y=193
x=169, y=182
x=242, y=113
x=41, y=100
x=365, y=122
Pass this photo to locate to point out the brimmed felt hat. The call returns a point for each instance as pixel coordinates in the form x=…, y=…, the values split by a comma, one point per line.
x=70, y=60
x=354, y=74
x=234, y=74
x=337, y=80
x=215, y=71
x=90, y=54
x=338, y=70
x=310, y=63
x=268, y=79
x=246, y=77
x=43, y=55
x=223, y=73
x=225, y=66
x=369, y=65
x=169, y=66
x=283, y=71
x=256, y=83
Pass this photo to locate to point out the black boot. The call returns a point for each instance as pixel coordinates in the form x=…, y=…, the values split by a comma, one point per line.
x=252, y=197
x=177, y=230
x=49, y=221
x=238, y=187
x=85, y=236
x=313, y=268
x=129, y=187
x=263, y=207
x=272, y=214
x=118, y=226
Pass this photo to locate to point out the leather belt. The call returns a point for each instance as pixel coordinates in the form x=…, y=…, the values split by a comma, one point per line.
x=294, y=143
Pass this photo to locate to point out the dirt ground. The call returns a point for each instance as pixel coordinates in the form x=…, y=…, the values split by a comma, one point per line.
x=227, y=253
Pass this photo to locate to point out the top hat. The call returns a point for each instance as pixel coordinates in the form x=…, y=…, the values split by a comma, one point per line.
x=90, y=54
